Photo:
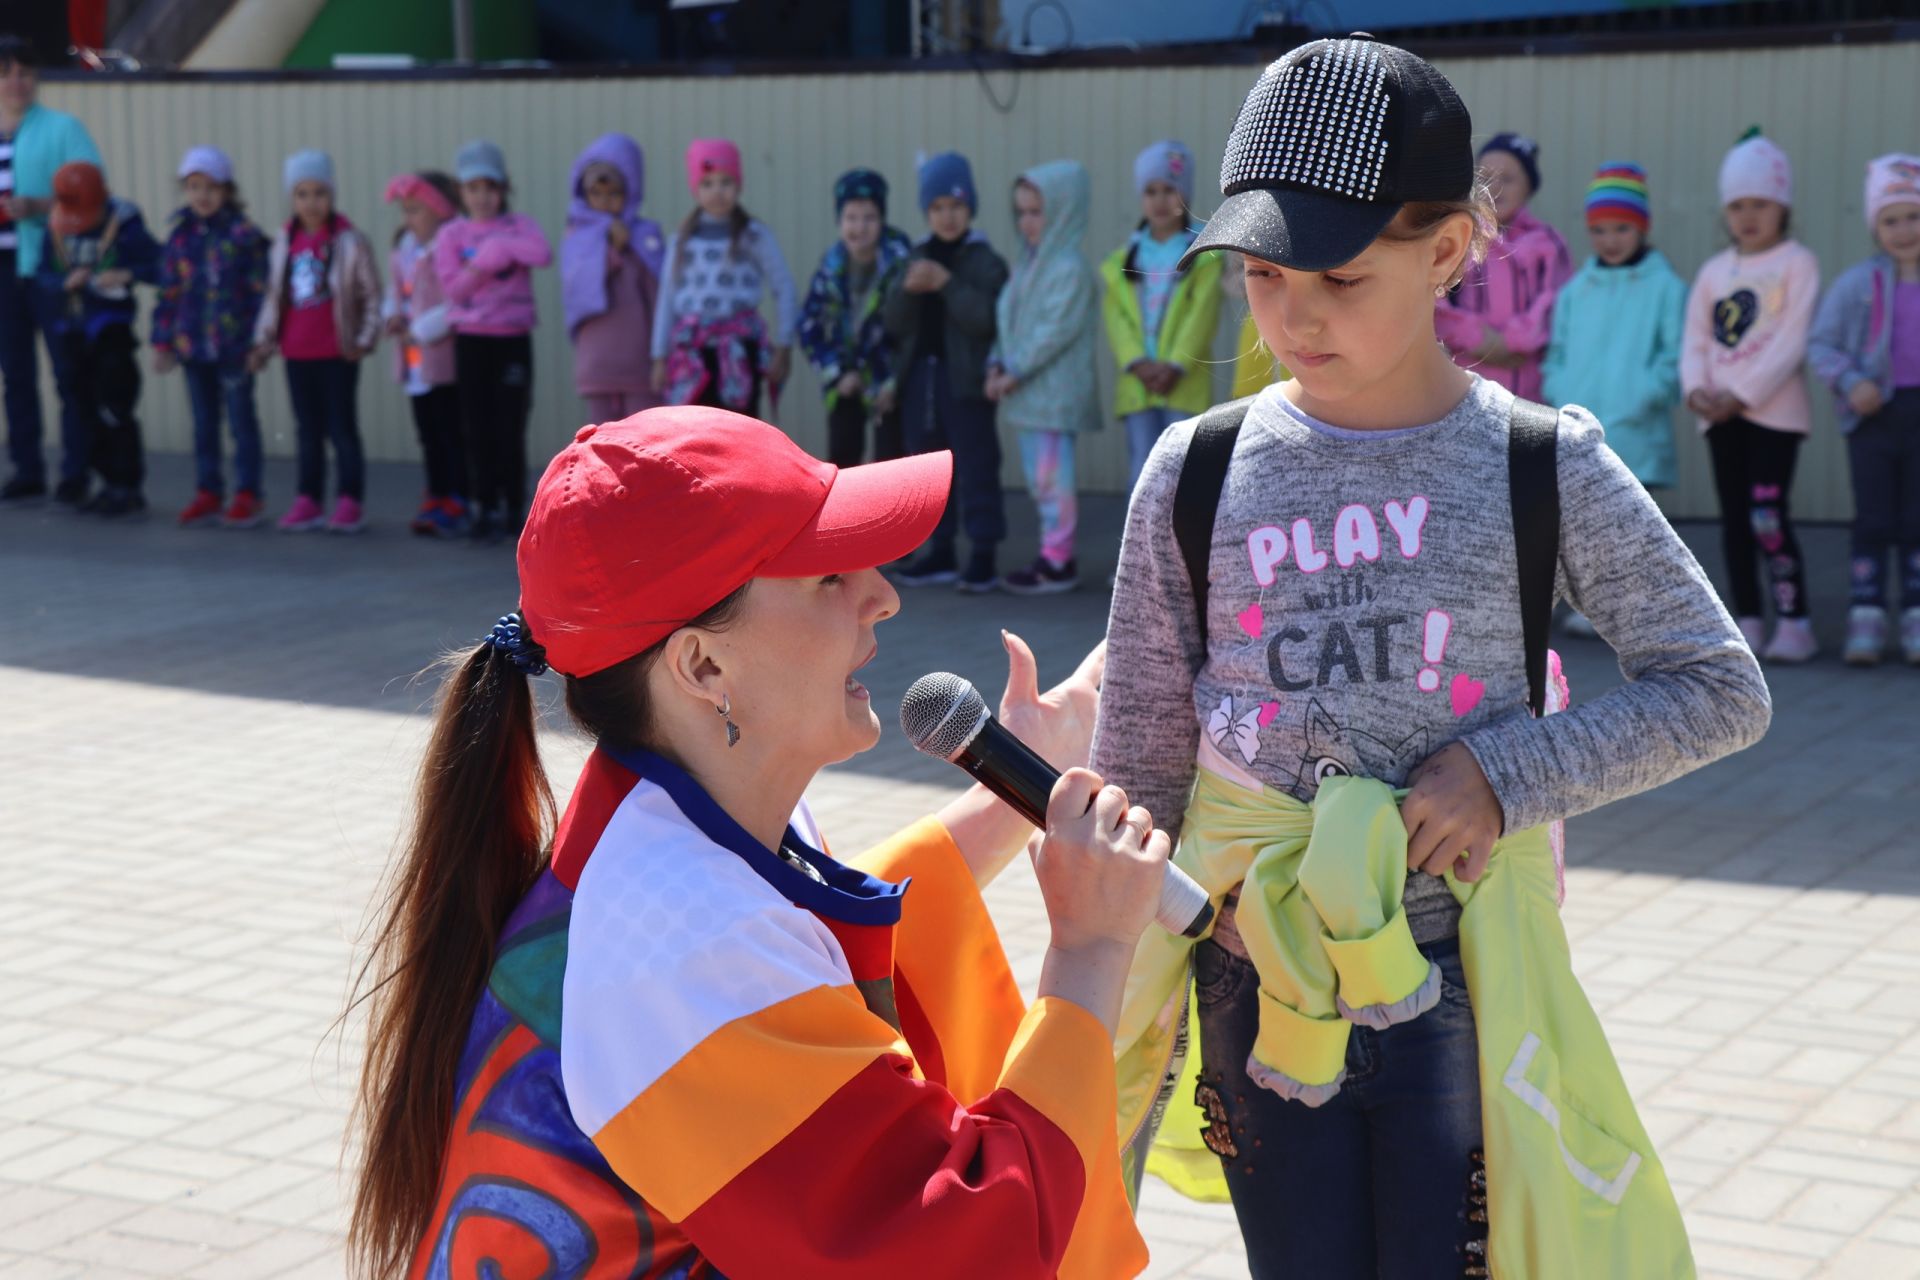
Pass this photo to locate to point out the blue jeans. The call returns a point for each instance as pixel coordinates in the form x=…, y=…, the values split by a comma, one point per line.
x=935, y=418
x=1144, y=428
x=325, y=410
x=24, y=309
x=211, y=386
x=1375, y=1182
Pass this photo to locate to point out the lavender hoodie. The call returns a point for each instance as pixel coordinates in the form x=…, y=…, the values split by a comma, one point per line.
x=583, y=251
x=486, y=270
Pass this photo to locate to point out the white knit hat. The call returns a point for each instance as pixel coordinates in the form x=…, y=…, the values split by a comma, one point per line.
x=1756, y=168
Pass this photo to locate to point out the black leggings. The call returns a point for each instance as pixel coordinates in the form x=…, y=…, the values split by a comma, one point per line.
x=106, y=387
x=495, y=376
x=1753, y=473
x=847, y=433
x=436, y=419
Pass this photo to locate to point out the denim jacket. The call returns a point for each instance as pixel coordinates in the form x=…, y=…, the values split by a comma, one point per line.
x=1852, y=336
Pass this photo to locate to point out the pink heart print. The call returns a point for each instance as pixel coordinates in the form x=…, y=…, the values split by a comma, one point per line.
x=1466, y=693
x=1252, y=621
x=1268, y=710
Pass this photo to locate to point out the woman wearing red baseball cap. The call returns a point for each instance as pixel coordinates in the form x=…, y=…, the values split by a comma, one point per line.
x=670, y=1036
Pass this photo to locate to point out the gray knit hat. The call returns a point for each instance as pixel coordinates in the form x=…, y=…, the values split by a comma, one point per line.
x=480, y=159
x=307, y=166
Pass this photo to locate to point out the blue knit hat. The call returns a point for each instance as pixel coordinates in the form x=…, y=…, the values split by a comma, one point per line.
x=1169, y=162
x=310, y=165
x=1521, y=148
x=947, y=174
x=860, y=184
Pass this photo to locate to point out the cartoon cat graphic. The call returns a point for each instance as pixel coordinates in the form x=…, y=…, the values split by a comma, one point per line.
x=1336, y=750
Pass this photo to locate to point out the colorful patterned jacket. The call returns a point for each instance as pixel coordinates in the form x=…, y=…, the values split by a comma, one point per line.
x=694, y=1058
x=838, y=343
x=213, y=275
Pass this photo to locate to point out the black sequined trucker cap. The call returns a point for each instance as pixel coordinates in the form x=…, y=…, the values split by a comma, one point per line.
x=1332, y=141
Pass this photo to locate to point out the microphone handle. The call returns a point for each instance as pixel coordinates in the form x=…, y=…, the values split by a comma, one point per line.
x=1011, y=770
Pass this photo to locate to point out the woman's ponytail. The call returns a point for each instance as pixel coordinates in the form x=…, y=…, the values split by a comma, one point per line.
x=485, y=815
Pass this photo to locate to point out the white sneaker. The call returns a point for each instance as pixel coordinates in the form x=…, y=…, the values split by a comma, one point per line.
x=1792, y=642
x=1754, y=632
x=1866, y=635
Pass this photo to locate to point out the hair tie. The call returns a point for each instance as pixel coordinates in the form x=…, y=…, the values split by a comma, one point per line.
x=510, y=636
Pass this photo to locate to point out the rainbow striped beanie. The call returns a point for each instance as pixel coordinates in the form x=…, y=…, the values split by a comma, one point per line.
x=1618, y=193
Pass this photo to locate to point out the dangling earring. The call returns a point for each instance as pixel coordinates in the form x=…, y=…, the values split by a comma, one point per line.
x=725, y=712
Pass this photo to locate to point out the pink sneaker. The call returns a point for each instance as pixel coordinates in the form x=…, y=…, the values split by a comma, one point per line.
x=302, y=517
x=347, y=516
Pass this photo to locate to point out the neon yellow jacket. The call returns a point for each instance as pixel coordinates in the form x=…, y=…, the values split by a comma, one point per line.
x=1574, y=1188
x=1186, y=334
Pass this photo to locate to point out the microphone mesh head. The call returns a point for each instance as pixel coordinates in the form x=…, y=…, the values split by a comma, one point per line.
x=941, y=713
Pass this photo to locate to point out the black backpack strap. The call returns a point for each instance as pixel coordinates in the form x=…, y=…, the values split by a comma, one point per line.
x=1196, y=501
x=1533, y=483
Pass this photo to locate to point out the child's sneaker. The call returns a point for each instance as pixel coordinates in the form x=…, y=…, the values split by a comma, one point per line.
x=424, y=523
x=1754, y=632
x=982, y=576
x=304, y=516
x=1910, y=635
x=1792, y=642
x=1866, y=635
x=204, y=509
x=116, y=503
x=72, y=493
x=1043, y=578
x=933, y=567
x=244, y=512
x=449, y=518
x=347, y=516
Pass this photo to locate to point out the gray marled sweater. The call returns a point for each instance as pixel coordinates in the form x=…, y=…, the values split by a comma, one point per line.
x=1364, y=612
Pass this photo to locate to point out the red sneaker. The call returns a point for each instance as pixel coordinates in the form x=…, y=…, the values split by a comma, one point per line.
x=204, y=509
x=423, y=520
x=244, y=512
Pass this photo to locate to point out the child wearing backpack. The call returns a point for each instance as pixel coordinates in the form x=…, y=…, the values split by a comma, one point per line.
x=1327, y=636
x=1160, y=320
x=1865, y=346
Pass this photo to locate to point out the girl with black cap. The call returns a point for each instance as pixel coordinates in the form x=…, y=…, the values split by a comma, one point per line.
x=1327, y=633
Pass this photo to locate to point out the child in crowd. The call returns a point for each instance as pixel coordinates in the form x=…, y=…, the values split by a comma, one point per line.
x=1865, y=346
x=710, y=344
x=1496, y=319
x=841, y=326
x=485, y=262
x=322, y=312
x=1041, y=371
x=213, y=276
x=417, y=316
x=940, y=317
x=610, y=263
x=97, y=248
x=1349, y=628
x=1615, y=344
x=1742, y=368
x=1160, y=320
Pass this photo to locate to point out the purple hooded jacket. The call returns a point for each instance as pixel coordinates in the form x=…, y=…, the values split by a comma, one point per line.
x=583, y=251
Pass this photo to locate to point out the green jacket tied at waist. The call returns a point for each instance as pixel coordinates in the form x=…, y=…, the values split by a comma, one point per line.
x=1574, y=1188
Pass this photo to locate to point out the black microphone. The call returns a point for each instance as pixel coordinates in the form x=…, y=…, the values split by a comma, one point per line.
x=945, y=716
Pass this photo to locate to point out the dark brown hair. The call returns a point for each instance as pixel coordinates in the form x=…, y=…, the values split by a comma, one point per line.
x=483, y=823
x=737, y=225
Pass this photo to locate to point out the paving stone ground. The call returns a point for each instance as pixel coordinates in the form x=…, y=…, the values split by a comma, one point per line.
x=206, y=744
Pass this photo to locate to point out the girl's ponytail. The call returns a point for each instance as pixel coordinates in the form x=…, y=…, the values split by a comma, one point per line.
x=484, y=818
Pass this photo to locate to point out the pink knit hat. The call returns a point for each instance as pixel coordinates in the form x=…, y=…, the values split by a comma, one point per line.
x=411, y=186
x=1891, y=179
x=712, y=155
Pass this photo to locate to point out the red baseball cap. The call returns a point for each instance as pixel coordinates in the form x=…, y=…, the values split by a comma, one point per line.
x=640, y=526
x=79, y=197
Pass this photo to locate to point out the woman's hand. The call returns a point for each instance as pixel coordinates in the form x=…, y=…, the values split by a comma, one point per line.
x=1865, y=398
x=1057, y=724
x=1100, y=864
x=1452, y=816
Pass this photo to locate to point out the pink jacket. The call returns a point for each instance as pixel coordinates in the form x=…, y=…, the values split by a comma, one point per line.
x=1747, y=323
x=1512, y=293
x=416, y=296
x=486, y=270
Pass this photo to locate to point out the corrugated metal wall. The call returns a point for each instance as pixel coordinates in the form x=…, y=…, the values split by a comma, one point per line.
x=1831, y=107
